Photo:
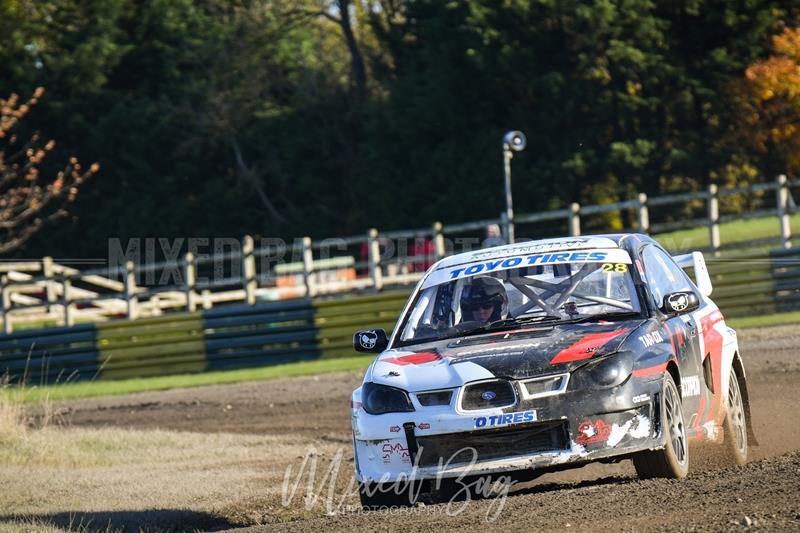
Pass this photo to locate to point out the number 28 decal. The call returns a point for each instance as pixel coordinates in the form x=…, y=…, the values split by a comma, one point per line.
x=615, y=267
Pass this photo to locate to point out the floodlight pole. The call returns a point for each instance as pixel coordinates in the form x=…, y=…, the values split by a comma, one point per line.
x=513, y=141
x=507, y=155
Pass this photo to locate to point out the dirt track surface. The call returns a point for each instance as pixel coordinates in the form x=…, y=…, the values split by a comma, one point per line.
x=313, y=411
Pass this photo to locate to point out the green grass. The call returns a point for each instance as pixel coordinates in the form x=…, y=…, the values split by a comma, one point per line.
x=91, y=389
x=737, y=231
x=762, y=321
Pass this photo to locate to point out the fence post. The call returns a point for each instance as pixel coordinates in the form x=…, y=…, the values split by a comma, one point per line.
x=574, y=219
x=643, y=214
x=782, y=193
x=66, y=288
x=155, y=305
x=713, y=218
x=131, y=299
x=249, y=269
x=6, y=303
x=205, y=299
x=190, y=274
x=375, y=259
x=308, y=267
x=49, y=289
x=438, y=241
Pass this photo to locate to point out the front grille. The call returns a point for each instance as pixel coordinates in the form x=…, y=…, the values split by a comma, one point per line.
x=489, y=444
x=488, y=395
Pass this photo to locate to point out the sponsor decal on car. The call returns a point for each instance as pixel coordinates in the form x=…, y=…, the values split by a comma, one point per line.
x=679, y=302
x=424, y=425
x=540, y=247
x=590, y=432
x=690, y=386
x=538, y=259
x=391, y=450
x=395, y=429
x=611, y=256
x=368, y=339
x=506, y=419
x=649, y=339
x=641, y=398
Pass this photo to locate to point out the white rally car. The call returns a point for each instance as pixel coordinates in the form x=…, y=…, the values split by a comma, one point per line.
x=538, y=356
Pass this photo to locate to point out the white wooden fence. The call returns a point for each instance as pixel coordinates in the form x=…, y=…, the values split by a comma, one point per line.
x=44, y=292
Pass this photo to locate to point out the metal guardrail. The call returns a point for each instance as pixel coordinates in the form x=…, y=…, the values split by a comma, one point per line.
x=46, y=292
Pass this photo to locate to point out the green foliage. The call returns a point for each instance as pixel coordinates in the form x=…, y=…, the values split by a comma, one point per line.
x=215, y=117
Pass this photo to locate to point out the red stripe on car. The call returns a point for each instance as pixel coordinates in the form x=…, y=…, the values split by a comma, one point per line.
x=650, y=370
x=414, y=359
x=586, y=347
x=713, y=343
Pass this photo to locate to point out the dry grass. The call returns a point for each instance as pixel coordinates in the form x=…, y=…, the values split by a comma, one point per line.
x=120, y=479
x=18, y=414
x=54, y=477
x=13, y=425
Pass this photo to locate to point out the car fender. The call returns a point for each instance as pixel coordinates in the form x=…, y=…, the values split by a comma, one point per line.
x=651, y=344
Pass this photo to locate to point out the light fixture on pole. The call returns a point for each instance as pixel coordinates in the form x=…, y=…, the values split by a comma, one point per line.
x=513, y=141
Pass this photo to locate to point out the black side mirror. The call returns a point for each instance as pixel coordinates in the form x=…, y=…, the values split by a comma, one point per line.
x=676, y=303
x=370, y=341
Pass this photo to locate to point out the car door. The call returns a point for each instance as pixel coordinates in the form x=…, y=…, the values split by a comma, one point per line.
x=664, y=277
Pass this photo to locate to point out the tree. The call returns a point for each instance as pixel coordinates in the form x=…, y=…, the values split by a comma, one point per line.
x=27, y=200
x=769, y=96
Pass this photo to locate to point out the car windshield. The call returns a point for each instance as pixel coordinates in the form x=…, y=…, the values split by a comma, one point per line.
x=512, y=292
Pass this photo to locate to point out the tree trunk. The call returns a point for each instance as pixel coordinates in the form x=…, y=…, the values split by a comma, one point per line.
x=357, y=69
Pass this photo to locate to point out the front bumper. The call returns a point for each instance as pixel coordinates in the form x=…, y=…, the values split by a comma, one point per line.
x=546, y=433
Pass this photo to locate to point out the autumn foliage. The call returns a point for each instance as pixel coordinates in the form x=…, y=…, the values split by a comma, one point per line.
x=28, y=200
x=771, y=104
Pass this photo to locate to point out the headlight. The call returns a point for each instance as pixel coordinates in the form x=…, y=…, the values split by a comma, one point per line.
x=607, y=372
x=380, y=399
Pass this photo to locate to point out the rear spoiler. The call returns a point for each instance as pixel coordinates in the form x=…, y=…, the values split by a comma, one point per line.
x=696, y=261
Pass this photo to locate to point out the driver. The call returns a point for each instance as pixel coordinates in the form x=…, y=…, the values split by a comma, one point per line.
x=484, y=300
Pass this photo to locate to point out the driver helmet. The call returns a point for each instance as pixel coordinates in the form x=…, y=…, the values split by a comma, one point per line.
x=484, y=293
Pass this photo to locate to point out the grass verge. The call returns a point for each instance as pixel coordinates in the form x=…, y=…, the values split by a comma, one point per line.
x=91, y=389
x=764, y=320
x=732, y=232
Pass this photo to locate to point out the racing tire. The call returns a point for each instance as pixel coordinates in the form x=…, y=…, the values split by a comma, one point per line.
x=734, y=427
x=377, y=496
x=672, y=461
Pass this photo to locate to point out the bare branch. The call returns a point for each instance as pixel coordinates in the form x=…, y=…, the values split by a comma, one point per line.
x=29, y=201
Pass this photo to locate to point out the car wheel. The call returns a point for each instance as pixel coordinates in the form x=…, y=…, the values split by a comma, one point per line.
x=735, y=425
x=672, y=461
x=377, y=496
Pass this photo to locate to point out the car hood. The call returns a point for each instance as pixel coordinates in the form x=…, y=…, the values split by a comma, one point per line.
x=516, y=354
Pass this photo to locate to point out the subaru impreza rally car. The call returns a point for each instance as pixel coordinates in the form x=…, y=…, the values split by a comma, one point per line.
x=543, y=355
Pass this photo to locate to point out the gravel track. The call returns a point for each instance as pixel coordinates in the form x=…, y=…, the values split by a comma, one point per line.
x=313, y=411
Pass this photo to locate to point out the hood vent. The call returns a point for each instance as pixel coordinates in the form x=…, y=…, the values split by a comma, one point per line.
x=544, y=386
